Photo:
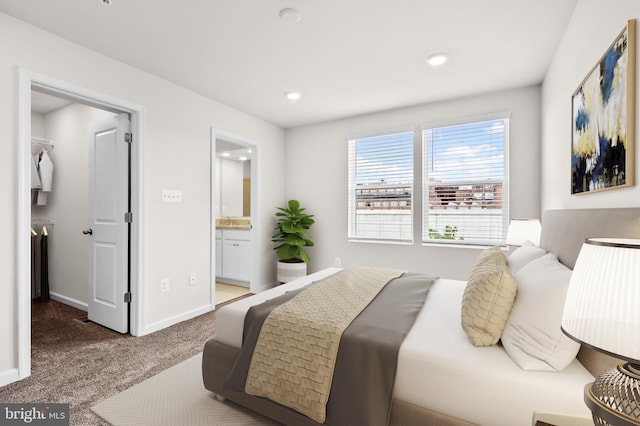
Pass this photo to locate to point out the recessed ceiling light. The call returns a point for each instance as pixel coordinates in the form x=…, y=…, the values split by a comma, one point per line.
x=290, y=15
x=437, y=59
x=225, y=154
x=242, y=158
x=293, y=96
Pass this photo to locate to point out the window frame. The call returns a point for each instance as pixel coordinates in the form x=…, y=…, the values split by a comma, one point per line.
x=352, y=185
x=424, y=176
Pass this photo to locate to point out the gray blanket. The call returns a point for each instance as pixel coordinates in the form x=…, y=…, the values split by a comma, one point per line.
x=365, y=370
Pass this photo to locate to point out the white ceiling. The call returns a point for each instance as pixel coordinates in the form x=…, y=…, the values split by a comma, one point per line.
x=346, y=57
x=43, y=103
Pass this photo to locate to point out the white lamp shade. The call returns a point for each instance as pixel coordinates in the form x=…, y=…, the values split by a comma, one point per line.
x=602, y=306
x=523, y=230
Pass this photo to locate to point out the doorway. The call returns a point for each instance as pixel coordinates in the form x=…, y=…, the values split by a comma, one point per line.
x=60, y=210
x=31, y=83
x=235, y=216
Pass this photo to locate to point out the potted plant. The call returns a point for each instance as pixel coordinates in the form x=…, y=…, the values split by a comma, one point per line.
x=291, y=237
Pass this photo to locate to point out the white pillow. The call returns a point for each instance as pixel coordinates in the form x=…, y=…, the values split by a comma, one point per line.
x=523, y=255
x=532, y=335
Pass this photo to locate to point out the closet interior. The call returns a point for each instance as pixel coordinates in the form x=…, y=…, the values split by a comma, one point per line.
x=60, y=197
x=41, y=185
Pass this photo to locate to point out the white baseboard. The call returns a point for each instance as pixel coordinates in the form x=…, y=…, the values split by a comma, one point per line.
x=9, y=376
x=159, y=325
x=69, y=301
x=267, y=286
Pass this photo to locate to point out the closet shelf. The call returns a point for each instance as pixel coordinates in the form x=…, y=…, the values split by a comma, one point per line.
x=38, y=143
x=43, y=221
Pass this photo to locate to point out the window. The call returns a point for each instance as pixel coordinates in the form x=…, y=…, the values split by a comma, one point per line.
x=464, y=182
x=381, y=188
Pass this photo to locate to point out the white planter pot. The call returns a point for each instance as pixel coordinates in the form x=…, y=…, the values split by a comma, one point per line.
x=290, y=271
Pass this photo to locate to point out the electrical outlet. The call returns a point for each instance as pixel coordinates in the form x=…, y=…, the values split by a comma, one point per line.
x=164, y=285
x=192, y=278
x=337, y=261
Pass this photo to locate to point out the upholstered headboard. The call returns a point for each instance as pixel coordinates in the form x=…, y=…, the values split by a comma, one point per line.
x=564, y=231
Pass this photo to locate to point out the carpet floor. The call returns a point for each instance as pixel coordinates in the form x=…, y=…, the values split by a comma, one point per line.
x=81, y=363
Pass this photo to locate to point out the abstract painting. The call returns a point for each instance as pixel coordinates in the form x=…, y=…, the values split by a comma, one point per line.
x=603, y=120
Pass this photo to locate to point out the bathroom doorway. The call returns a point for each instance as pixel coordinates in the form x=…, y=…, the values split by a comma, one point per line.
x=234, y=216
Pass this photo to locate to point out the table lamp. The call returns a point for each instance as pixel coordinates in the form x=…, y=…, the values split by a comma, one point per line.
x=522, y=230
x=602, y=311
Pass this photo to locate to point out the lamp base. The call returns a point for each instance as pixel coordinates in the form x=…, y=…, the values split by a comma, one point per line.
x=614, y=397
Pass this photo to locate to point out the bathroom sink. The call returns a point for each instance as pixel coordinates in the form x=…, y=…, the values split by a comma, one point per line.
x=233, y=223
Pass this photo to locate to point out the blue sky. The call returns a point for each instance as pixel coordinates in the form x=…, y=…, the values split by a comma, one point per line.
x=467, y=152
x=375, y=162
x=475, y=152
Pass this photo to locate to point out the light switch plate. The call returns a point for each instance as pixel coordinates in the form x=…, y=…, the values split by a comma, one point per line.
x=171, y=196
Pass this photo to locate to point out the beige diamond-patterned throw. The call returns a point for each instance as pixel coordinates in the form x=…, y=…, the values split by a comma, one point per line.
x=295, y=355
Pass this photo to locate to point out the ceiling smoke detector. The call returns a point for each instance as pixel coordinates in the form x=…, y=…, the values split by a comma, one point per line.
x=290, y=15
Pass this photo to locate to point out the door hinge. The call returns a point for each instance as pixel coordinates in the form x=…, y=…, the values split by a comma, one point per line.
x=128, y=137
x=127, y=297
x=128, y=217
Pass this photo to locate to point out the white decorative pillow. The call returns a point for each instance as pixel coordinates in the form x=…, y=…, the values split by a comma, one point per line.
x=523, y=255
x=532, y=336
x=488, y=298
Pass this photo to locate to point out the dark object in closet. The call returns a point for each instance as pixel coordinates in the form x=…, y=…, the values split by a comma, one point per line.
x=44, y=267
x=34, y=286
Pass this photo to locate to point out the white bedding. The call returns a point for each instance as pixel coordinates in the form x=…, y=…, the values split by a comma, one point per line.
x=230, y=318
x=439, y=369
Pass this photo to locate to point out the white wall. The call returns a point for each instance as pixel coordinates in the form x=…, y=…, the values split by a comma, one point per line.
x=177, y=156
x=316, y=161
x=68, y=201
x=593, y=27
x=37, y=125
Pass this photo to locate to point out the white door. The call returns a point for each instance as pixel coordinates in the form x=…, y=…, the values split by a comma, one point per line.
x=109, y=224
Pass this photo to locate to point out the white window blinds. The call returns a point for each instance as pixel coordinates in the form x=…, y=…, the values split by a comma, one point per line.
x=381, y=188
x=465, y=181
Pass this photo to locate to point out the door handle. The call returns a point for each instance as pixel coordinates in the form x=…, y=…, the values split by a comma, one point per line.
x=88, y=231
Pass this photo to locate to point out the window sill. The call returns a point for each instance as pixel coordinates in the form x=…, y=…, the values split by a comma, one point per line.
x=394, y=242
x=466, y=246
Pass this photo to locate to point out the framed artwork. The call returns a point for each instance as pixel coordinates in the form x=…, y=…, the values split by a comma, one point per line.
x=603, y=119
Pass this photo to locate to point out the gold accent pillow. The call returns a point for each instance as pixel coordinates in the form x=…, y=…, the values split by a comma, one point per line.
x=488, y=298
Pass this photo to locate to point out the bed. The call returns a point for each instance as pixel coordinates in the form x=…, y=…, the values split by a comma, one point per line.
x=441, y=378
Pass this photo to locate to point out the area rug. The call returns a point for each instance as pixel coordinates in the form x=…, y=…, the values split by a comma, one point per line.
x=174, y=397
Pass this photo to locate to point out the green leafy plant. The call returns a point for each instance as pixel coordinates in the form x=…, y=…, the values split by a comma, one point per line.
x=449, y=233
x=291, y=236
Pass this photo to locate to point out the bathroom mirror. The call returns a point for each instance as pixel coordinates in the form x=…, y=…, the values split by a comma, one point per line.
x=233, y=180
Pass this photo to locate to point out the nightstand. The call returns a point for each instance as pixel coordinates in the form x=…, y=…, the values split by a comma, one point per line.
x=547, y=419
